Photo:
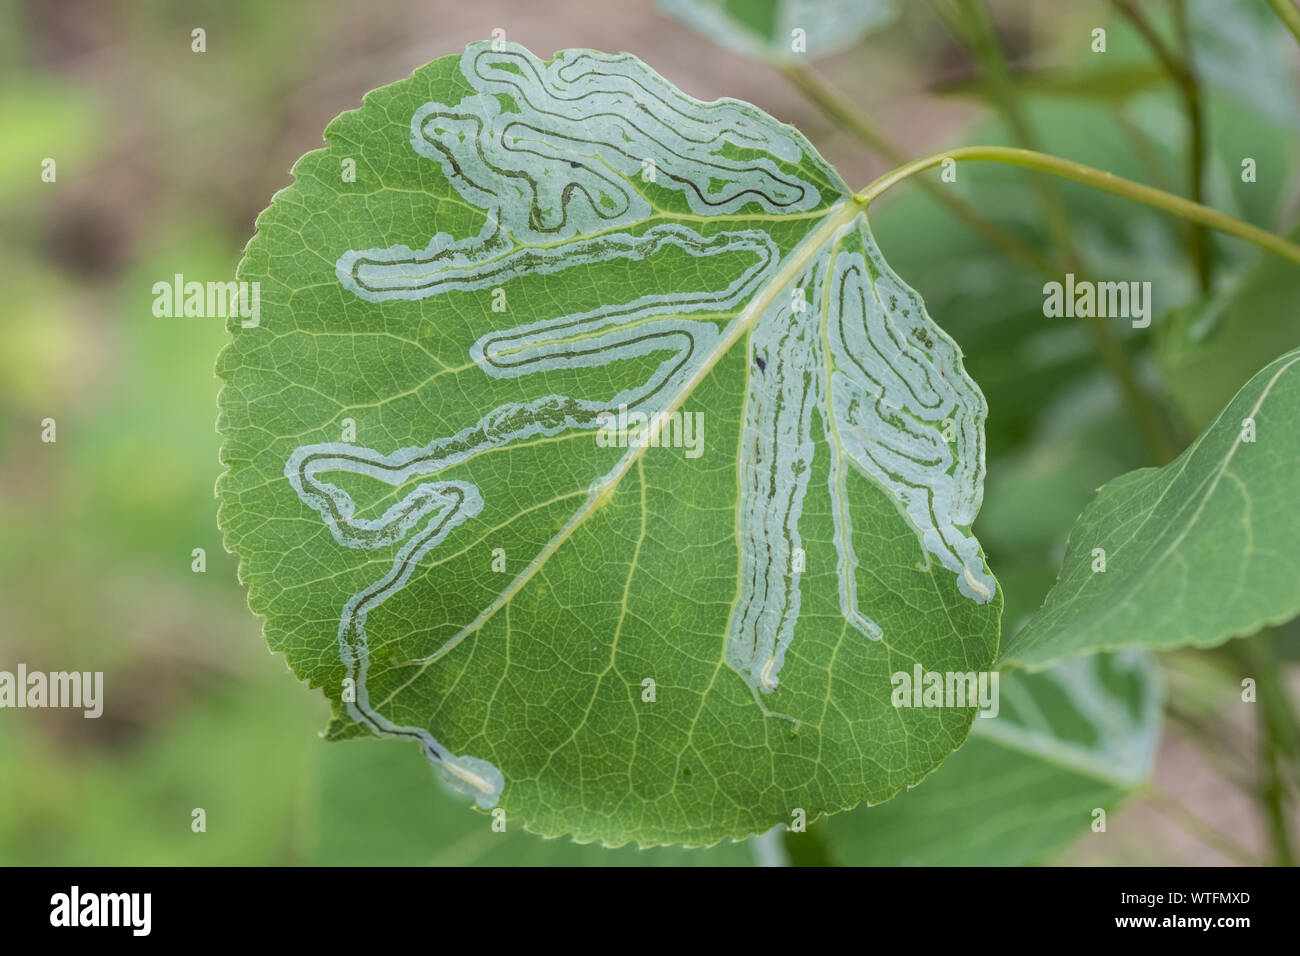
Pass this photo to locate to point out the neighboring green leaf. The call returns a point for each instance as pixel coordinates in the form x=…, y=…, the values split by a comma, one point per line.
x=493, y=568
x=1065, y=742
x=766, y=29
x=1201, y=550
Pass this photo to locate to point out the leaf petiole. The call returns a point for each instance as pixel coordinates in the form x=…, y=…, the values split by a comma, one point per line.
x=1288, y=13
x=1097, y=179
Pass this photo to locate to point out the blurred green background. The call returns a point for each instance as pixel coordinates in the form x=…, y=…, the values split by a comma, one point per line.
x=164, y=158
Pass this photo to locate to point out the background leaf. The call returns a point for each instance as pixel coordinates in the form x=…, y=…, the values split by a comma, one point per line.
x=1208, y=349
x=1196, y=552
x=762, y=28
x=1066, y=741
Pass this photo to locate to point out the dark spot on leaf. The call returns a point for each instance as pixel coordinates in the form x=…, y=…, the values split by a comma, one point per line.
x=573, y=164
x=762, y=365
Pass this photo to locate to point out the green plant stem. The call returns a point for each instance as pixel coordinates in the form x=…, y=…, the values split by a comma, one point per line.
x=1171, y=64
x=1183, y=73
x=1097, y=179
x=982, y=39
x=1151, y=424
x=1274, y=797
x=1278, y=743
x=1207, y=834
x=956, y=25
x=1229, y=662
x=848, y=117
x=1189, y=83
x=1288, y=13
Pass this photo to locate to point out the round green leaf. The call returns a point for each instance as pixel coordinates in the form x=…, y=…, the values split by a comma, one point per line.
x=585, y=439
